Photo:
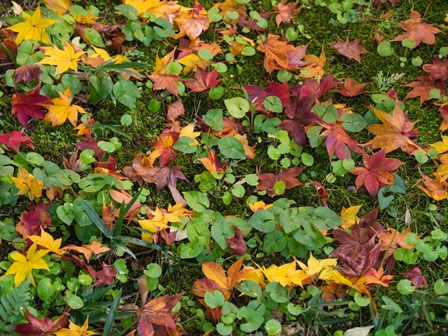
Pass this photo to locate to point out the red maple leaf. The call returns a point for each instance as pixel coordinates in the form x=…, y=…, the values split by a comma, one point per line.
x=422, y=88
x=156, y=317
x=376, y=173
x=416, y=277
x=438, y=69
x=15, y=139
x=202, y=80
x=34, y=220
x=350, y=88
x=38, y=327
x=289, y=176
x=350, y=49
x=28, y=105
x=338, y=141
x=417, y=30
x=26, y=73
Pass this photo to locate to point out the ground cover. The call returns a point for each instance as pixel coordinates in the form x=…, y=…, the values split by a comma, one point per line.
x=223, y=168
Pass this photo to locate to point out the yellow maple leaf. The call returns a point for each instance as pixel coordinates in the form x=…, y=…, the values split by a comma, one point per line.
x=64, y=59
x=191, y=63
x=348, y=216
x=285, y=275
x=260, y=205
x=61, y=109
x=188, y=131
x=320, y=267
x=161, y=218
x=24, y=265
x=88, y=249
x=76, y=330
x=58, y=6
x=143, y=6
x=33, y=28
x=27, y=183
x=441, y=146
x=47, y=241
x=315, y=65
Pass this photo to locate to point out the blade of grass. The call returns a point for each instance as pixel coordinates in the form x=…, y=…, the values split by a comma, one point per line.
x=111, y=316
x=96, y=219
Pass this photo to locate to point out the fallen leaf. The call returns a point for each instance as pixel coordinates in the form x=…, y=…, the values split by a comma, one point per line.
x=64, y=59
x=350, y=88
x=395, y=131
x=33, y=27
x=350, y=49
x=156, y=317
x=417, y=30
x=275, y=53
x=417, y=278
x=28, y=184
x=192, y=22
x=237, y=243
x=438, y=69
x=58, y=6
x=74, y=329
x=88, y=250
x=61, y=109
x=28, y=105
x=26, y=73
x=202, y=80
x=175, y=110
x=376, y=173
x=15, y=140
x=288, y=176
x=213, y=164
x=286, y=12
x=38, y=327
x=422, y=88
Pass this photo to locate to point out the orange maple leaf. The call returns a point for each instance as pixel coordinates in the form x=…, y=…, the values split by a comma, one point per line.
x=395, y=131
x=417, y=30
x=61, y=109
x=192, y=22
x=212, y=163
x=160, y=76
x=275, y=53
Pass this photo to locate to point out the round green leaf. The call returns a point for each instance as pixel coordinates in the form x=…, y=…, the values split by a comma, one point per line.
x=231, y=148
x=273, y=327
x=405, y=287
x=273, y=104
x=385, y=49
x=237, y=107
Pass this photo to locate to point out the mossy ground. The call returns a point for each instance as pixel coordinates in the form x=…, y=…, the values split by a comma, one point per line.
x=53, y=143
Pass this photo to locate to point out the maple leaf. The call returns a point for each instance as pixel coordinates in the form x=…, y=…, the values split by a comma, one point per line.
x=58, y=6
x=259, y=205
x=37, y=217
x=213, y=164
x=350, y=88
x=38, y=327
x=436, y=189
x=395, y=132
x=192, y=22
x=61, y=109
x=376, y=173
x=47, y=241
x=422, y=88
x=236, y=242
x=286, y=12
x=322, y=268
x=156, y=317
x=417, y=30
x=88, y=250
x=348, y=216
x=377, y=277
x=89, y=142
x=438, y=69
x=314, y=66
x=163, y=147
x=160, y=220
x=24, y=265
x=15, y=140
x=391, y=239
x=416, y=277
x=74, y=329
x=350, y=49
x=27, y=105
x=160, y=76
x=192, y=62
x=202, y=80
x=275, y=53
x=143, y=6
x=321, y=191
x=288, y=176
x=28, y=184
x=285, y=275
x=64, y=59
x=218, y=280
x=33, y=27
x=338, y=142
x=175, y=110
x=26, y=73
